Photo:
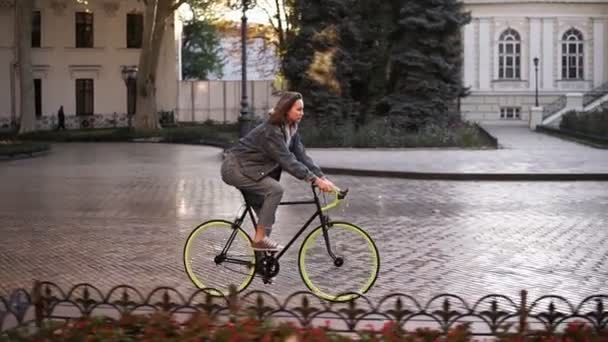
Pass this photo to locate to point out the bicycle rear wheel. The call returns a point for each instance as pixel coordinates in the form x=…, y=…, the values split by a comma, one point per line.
x=218, y=254
x=354, y=270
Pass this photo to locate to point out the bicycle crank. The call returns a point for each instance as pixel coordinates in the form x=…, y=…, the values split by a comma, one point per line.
x=269, y=266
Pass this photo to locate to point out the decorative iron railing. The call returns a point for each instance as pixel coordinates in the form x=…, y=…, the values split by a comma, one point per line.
x=595, y=94
x=554, y=106
x=489, y=315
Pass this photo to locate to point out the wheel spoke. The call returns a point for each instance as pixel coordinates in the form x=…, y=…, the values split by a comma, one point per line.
x=354, y=272
x=205, y=244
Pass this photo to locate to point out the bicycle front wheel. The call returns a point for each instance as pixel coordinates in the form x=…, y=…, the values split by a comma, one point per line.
x=218, y=254
x=350, y=272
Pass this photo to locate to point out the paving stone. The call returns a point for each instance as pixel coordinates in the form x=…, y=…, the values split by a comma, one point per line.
x=111, y=214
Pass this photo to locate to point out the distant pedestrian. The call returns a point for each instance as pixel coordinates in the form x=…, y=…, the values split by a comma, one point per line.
x=60, y=119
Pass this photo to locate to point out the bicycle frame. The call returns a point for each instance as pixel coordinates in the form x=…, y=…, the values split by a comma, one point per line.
x=319, y=212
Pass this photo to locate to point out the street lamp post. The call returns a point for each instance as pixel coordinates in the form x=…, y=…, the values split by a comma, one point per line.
x=536, y=81
x=246, y=117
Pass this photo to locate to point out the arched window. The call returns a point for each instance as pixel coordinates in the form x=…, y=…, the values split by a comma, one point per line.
x=509, y=55
x=572, y=54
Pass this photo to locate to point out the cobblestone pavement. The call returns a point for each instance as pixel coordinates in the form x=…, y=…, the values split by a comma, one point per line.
x=114, y=214
x=521, y=151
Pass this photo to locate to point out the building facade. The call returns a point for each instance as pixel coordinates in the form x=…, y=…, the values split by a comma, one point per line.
x=569, y=39
x=84, y=57
x=82, y=54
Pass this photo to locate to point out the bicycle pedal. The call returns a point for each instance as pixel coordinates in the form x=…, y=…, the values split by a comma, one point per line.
x=268, y=281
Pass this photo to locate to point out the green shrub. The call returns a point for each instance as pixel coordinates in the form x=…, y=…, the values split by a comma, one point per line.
x=378, y=134
x=11, y=147
x=192, y=134
x=592, y=123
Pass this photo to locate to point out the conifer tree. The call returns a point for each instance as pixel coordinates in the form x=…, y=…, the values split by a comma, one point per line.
x=316, y=61
x=425, y=62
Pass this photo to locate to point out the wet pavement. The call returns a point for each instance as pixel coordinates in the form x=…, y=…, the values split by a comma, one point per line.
x=520, y=151
x=111, y=214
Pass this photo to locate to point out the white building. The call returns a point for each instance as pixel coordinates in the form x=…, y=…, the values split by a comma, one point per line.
x=262, y=61
x=78, y=56
x=80, y=52
x=570, y=40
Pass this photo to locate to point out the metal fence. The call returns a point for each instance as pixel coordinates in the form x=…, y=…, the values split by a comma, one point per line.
x=220, y=101
x=489, y=315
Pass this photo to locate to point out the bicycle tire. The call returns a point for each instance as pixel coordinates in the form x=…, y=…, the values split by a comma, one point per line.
x=338, y=283
x=205, y=243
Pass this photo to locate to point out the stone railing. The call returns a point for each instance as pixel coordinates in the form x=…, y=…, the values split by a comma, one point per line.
x=554, y=106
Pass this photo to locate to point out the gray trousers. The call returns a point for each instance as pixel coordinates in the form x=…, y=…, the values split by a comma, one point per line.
x=264, y=195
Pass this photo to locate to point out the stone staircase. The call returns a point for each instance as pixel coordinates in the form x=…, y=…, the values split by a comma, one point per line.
x=590, y=100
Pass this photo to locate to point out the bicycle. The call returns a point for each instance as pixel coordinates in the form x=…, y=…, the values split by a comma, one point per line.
x=337, y=261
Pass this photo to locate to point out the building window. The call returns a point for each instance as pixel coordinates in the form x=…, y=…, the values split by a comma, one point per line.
x=510, y=113
x=84, y=30
x=36, y=29
x=509, y=55
x=572, y=55
x=135, y=29
x=38, y=97
x=84, y=96
x=131, y=95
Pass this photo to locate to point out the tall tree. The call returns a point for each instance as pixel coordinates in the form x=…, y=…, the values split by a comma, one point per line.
x=318, y=62
x=201, y=50
x=282, y=20
x=157, y=15
x=425, y=62
x=357, y=59
x=24, y=12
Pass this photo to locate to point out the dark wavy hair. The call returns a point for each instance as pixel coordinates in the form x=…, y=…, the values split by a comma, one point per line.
x=278, y=115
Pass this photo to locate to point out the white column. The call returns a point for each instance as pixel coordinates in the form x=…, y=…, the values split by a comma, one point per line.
x=535, y=51
x=536, y=117
x=470, y=62
x=547, y=55
x=599, y=59
x=485, y=62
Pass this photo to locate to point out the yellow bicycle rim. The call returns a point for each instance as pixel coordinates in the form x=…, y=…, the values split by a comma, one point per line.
x=308, y=243
x=187, y=256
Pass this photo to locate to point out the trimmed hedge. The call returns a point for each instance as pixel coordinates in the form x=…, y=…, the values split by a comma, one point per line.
x=14, y=148
x=379, y=134
x=590, y=123
x=375, y=134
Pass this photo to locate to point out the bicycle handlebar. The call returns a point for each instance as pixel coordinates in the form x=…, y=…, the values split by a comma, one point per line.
x=340, y=195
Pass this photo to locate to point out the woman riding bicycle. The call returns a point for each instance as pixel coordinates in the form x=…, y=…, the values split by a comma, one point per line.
x=254, y=164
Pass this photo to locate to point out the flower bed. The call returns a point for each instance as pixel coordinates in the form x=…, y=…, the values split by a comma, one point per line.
x=164, y=327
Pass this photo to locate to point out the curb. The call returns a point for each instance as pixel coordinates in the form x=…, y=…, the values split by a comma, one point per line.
x=508, y=177
x=24, y=155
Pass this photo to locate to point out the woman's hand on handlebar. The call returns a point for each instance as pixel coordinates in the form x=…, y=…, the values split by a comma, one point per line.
x=324, y=184
x=333, y=186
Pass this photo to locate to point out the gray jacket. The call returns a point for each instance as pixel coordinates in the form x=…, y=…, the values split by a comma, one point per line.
x=264, y=149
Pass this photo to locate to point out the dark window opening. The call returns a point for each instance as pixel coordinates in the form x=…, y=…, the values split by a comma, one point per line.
x=84, y=30
x=38, y=97
x=36, y=29
x=84, y=96
x=131, y=95
x=135, y=29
